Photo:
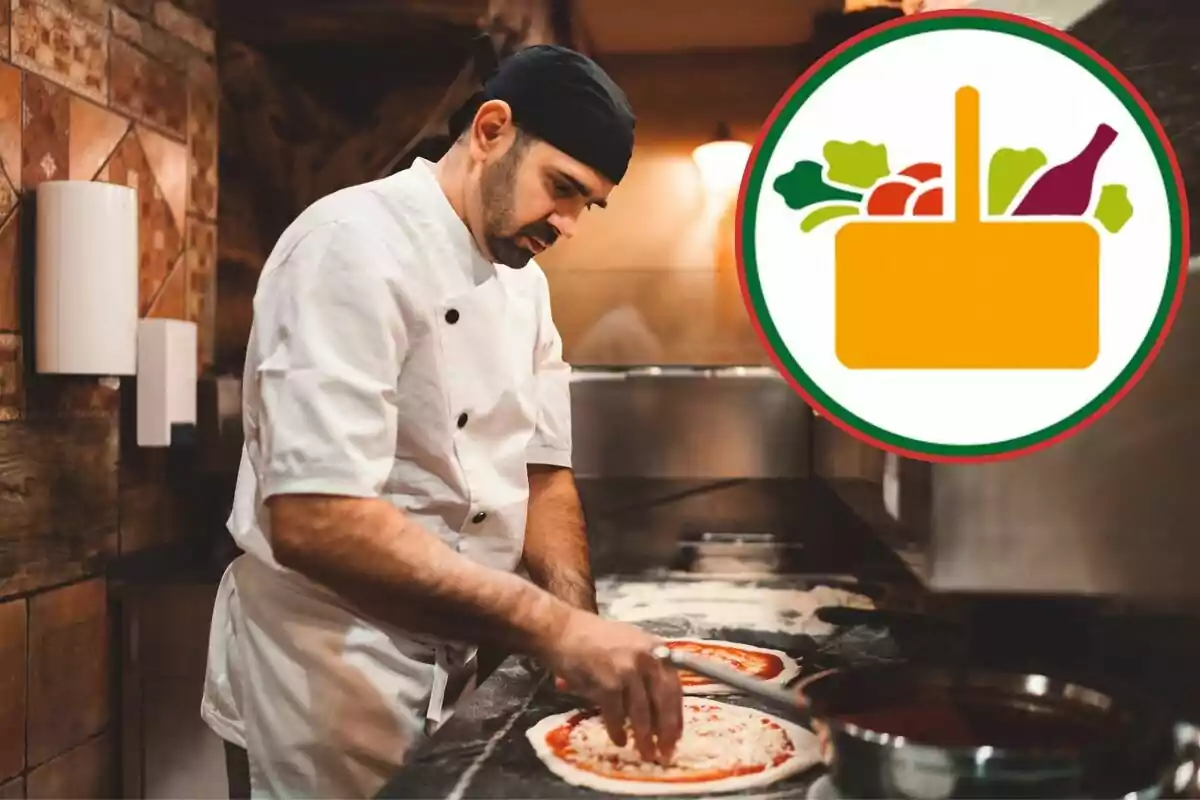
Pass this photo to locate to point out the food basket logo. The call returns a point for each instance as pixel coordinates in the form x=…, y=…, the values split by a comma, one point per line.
x=962, y=236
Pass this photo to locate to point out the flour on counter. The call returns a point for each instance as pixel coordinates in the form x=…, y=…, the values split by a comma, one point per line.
x=724, y=604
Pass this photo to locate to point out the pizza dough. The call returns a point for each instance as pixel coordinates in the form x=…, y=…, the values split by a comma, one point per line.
x=724, y=748
x=774, y=666
x=709, y=606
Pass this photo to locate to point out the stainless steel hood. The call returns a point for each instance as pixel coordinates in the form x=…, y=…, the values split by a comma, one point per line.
x=653, y=422
x=1114, y=510
x=686, y=423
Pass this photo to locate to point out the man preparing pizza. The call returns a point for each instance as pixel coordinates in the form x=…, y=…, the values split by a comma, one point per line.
x=408, y=448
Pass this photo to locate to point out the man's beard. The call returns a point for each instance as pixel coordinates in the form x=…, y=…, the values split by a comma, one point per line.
x=496, y=188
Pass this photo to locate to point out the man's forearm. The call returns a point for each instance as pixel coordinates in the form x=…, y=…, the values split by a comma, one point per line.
x=371, y=554
x=556, y=547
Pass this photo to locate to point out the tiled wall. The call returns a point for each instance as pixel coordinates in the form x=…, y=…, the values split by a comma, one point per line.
x=652, y=279
x=122, y=91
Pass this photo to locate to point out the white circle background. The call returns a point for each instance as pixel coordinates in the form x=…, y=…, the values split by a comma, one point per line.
x=902, y=94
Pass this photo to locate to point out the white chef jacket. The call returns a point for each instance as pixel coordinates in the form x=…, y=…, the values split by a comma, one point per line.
x=388, y=358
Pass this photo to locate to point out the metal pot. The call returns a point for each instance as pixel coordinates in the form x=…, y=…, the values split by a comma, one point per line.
x=926, y=733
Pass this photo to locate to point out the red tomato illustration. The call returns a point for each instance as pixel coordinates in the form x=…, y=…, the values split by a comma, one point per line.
x=889, y=199
x=929, y=203
x=923, y=172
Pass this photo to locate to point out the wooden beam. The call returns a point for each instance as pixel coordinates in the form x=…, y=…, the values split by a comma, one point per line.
x=512, y=25
x=276, y=21
x=458, y=12
x=276, y=125
x=235, y=297
x=436, y=125
x=398, y=121
x=515, y=24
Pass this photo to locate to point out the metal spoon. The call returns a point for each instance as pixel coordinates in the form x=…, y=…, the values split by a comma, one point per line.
x=717, y=671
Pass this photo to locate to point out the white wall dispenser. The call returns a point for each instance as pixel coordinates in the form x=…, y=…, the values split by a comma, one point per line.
x=166, y=386
x=86, y=307
x=86, y=282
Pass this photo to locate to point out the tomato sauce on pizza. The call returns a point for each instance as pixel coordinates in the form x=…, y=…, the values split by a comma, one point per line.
x=719, y=742
x=758, y=664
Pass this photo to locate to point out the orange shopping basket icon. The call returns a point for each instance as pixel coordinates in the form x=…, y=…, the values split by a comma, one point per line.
x=967, y=293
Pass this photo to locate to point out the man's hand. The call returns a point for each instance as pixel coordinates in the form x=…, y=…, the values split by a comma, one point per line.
x=611, y=664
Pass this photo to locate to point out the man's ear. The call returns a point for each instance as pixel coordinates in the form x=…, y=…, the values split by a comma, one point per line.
x=492, y=130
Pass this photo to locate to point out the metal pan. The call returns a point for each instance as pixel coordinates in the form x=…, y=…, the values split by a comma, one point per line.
x=926, y=733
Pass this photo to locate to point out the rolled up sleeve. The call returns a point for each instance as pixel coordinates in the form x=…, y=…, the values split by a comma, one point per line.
x=331, y=325
x=551, y=442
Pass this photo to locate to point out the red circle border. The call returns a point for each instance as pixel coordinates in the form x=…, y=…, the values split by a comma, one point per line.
x=739, y=235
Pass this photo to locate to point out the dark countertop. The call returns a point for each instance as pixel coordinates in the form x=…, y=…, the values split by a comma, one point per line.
x=653, y=531
x=482, y=751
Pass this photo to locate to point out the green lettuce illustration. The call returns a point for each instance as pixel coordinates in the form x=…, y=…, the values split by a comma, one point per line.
x=857, y=164
x=804, y=186
x=825, y=214
x=1008, y=172
x=1114, y=209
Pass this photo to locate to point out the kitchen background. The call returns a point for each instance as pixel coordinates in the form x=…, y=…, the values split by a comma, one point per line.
x=109, y=552
x=651, y=280
x=90, y=90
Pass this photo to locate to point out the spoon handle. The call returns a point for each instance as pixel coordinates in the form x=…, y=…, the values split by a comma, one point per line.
x=715, y=670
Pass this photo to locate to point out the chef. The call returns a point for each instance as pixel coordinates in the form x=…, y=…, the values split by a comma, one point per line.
x=408, y=450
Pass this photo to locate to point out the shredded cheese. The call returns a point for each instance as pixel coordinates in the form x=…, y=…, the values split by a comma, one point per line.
x=715, y=739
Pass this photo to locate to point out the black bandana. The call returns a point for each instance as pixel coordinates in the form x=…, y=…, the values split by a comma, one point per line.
x=567, y=100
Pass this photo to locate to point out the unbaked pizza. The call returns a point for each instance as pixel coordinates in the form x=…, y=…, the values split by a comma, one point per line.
x=724, y=748
x=774, y=666
x=767, y=665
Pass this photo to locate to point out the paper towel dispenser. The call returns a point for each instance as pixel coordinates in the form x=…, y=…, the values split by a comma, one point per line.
x=166, y=386
x=86, y=282
x=86, y=307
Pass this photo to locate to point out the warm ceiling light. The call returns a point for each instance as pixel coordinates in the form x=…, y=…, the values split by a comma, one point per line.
x=722, y=161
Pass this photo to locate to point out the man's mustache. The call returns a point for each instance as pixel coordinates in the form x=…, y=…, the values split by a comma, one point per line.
x=542, y=231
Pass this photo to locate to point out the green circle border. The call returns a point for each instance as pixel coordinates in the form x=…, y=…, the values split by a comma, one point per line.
x=779, y=124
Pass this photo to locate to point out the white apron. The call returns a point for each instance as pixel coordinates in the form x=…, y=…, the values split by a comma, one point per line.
x=442, y=419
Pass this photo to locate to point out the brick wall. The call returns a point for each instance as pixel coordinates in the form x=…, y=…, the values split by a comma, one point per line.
x=125, y=92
